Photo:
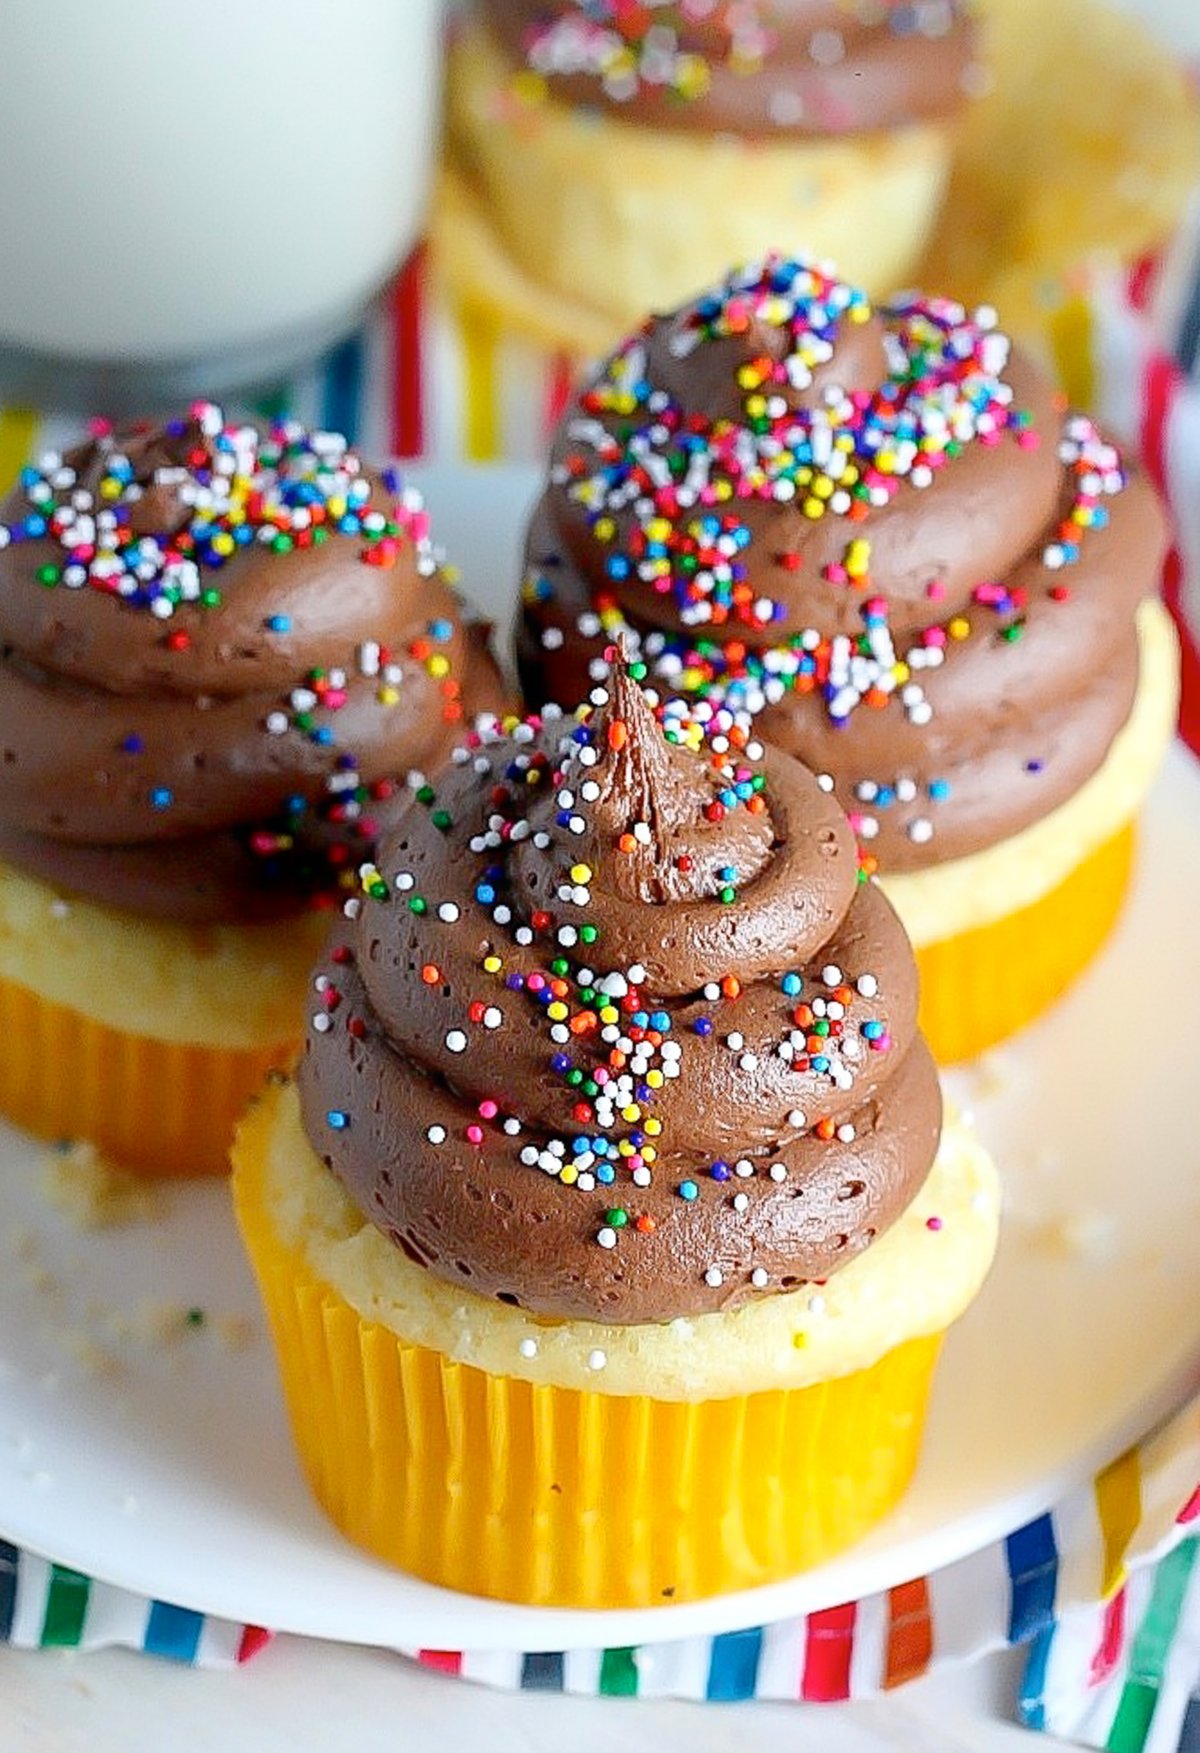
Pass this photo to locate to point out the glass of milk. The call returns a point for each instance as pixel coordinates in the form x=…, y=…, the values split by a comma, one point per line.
x=197, y=195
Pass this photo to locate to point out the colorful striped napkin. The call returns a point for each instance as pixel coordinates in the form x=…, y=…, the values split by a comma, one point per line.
x=1105, y=1592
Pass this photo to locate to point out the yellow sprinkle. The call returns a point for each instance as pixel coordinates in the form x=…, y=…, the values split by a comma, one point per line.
x=631, y=1113
x=654, y=1080
x=799, y=1340
x=557, y=1012
x=492, y=964
x=388, y=696
x=859, y=313
x=813, y=508
x=653, y=1127
x=568, y=1174
x=604, y=529
x=610, y=1014
x=858, y=558
x=581, y=873
x=959, y=627
x=438, y=665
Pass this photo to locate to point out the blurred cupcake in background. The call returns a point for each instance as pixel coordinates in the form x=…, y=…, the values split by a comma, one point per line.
x=605, y=157
x=879, y=539
x=223, y=652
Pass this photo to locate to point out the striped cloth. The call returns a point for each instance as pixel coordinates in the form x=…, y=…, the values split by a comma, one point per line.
x=1105, y=1592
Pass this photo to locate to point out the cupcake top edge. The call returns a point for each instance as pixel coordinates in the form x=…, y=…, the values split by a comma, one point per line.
x=617, y=1030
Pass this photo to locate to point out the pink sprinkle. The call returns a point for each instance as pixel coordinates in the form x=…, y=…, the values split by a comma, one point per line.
x=935, y=590
x=933, y=1223
x=488, y=1110
x=475, y=1134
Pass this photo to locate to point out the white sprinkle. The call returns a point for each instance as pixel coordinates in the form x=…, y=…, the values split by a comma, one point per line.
x=735, y=1041
x=741, y=1202
x=846, y=1133
x=436, y=1134
x=831, y=974
x=714, y=1276
x=816, y=1305
x=777, y=1172
x=448, y=911
x=597, y=1359
x=607, y=1237
x=528, y=1348
x=492, y=1017
x=322, y=1022
x=868, y=985
x=456, y=1041
x=759, y=1278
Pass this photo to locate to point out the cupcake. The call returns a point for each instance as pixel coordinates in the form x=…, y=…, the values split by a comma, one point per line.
x=601, y=156
x=222, y=653
x=605, y=1234
x=879, y=537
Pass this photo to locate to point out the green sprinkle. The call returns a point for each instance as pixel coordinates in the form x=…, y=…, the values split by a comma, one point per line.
x=195, y=1317
x=418, y=904
x=589, y=933
x=443, y=820
x=616, y=1217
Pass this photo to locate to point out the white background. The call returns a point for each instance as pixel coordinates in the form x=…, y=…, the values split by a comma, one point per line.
x=300, y=1696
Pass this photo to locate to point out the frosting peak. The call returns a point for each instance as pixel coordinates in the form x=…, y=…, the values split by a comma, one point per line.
x=550, y=1084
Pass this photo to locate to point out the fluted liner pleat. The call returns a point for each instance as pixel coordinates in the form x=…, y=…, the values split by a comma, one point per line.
x=981, y=986
x=555, y=1496
x=159, y=1108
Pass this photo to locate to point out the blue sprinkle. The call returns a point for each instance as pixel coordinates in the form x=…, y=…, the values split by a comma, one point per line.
x=338, y=1119
x=792, y=984
x=133, y=745
x=161, y=798
x=485, y=893
x=279, y=623
x=605, y=1174
x=322, y=735
x=872, y=1031
x=560, y=1063
x=702, y=1026
x=688, y=1190
x=939, y=790
x=661, y=1021
x=820, y=1063
x=720, y=1171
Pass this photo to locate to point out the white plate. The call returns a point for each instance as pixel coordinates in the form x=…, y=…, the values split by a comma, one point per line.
x=163, y=1464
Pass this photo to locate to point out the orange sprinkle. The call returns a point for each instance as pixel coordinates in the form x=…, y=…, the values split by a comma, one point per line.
x=618, y=734
x=431, y=974
x=731, y=986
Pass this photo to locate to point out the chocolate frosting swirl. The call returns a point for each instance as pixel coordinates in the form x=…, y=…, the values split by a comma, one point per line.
x=754, y=67
x=220, y=654
x=874, y=532
x=617, y=1031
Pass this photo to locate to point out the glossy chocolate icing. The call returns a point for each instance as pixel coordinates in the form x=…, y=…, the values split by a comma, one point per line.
x=721, y=1094
x=220, y=654
x=875, y=533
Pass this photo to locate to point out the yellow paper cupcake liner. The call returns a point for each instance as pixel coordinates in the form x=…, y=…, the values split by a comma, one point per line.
x=159, y=1108
x=981, y=986
x=555, y=1496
